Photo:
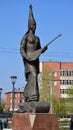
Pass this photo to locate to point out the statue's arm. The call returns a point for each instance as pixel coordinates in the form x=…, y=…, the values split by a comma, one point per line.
x=39, y=46
x=23, y=48
x=44, y=49
x=38, y=43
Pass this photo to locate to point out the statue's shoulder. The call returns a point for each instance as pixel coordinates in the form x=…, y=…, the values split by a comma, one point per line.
x=25, y=36
x=37, y=38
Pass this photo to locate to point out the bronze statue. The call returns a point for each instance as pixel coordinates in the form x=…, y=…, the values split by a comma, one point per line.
x=29, y=44
x=30, y=49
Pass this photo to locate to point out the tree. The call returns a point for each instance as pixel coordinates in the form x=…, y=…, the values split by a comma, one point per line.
x=2, y=106
x=70, y=99
x=46, y=92
x=56, y=105
x=46, y=83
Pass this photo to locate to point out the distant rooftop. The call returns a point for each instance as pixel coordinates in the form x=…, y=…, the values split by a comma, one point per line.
x=16, y=90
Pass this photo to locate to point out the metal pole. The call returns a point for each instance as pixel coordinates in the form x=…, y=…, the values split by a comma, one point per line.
x=13, y=96
x=0, y=95
x=51, y=78
x=51, y=99
x=13, y=80
x=0, y=98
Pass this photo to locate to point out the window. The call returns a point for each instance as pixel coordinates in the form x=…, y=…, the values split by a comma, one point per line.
x=11, y=101
x=15, y=95
x=55, y=74
x=55, y=92
x=63, y=91
x=66, y=82
x=66, y=73
x=11, y=95
x=72, y=73
x=55, y=83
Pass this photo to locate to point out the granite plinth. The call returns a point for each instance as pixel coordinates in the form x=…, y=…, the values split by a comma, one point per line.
x=36, y=121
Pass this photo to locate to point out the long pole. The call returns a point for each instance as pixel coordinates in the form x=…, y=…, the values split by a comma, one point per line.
x=34, y=55
x=0, y=98
x=13, y=96
x=51, y=99
x=13, y=79
x=0, y=95
x=53, y=39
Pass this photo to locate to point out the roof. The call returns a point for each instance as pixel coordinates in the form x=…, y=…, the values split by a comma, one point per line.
x=16, y=91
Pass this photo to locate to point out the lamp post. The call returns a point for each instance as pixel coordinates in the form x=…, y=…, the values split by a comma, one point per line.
x=51, y=78
x=50, y=85
x=13, y=80
x=0, y=95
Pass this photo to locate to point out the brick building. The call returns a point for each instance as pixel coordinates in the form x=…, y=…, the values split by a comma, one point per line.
x=63, y=76
x=18, y=95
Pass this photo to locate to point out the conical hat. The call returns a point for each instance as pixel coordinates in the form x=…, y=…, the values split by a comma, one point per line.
x=31, y=19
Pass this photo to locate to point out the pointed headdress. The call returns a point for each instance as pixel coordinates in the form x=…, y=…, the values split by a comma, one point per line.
x=31, y=19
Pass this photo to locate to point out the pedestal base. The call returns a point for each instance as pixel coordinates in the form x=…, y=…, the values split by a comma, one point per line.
x=28, y=121
x=34, y=107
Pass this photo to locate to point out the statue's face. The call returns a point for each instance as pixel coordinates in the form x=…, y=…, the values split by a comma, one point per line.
x=33, y=27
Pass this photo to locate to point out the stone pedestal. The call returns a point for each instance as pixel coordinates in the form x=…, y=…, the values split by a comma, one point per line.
x=29, y=121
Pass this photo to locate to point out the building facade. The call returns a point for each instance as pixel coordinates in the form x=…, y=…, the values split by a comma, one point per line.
x=18, y=95
x=63, y=79
x=63, y=76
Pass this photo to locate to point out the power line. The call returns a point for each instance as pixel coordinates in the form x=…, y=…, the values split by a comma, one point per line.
x=9, y=50
x=51, y=55
x=12, y=49
x=15, y=49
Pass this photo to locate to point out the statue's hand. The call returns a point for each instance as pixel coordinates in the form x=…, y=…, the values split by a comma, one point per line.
x=29, y=59
x=44, y=49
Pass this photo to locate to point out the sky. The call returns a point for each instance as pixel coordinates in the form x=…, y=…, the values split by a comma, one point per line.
x=52, y=17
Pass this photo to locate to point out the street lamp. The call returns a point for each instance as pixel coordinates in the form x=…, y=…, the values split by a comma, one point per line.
x=50, y=85
x=0, y=95
x=51, y=92
x=13, y=80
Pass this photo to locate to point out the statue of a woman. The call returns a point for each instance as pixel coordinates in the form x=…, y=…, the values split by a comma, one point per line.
x=29, y=44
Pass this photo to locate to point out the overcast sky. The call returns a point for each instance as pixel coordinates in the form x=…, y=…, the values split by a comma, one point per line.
x=53, y=17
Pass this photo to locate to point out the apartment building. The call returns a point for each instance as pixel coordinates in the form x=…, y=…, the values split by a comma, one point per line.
x=63, y=76
x=18, y=95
